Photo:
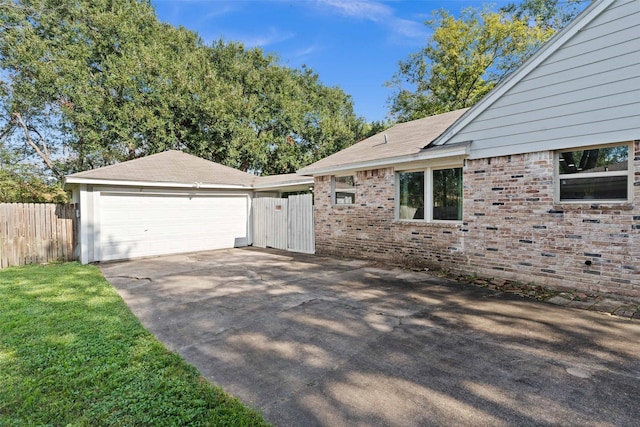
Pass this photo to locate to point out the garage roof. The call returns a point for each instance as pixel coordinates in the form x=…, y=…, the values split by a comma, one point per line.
x=176, y=167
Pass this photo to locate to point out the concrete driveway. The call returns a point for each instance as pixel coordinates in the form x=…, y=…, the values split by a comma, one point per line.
x=312, y=340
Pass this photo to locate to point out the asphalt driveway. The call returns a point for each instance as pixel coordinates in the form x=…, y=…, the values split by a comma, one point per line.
x=313, y=340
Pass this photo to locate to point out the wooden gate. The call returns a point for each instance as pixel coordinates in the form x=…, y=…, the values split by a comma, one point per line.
x=270, y=222
x=284, y=223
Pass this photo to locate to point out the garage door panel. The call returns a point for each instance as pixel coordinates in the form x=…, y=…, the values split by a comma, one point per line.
x=143, y=225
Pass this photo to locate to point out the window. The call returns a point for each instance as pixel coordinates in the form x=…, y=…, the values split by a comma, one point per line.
x=411, y=195
x=344, y=190
x=441, y=188
x=447, y=194
x=600, y=173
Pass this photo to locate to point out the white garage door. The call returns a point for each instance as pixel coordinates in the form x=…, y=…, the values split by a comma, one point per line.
x=142, y=225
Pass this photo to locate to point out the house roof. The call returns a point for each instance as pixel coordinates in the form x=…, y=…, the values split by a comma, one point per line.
x=175, y=168
x=278, y=181
x=399, y=141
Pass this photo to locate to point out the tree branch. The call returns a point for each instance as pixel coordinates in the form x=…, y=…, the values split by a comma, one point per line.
x=43, y=153
x=6, y=131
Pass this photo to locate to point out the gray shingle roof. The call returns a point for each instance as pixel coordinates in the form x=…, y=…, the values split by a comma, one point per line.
x=181, y=168
x=281, y=180
x=171, y=167
x=403, y=139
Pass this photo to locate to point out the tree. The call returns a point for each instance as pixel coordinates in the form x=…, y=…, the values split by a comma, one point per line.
x=276, y=119
x=24, y=182
x=93, y=82
x=553, y=14
x=465, y=58
x=73, y=78
x=375, y=128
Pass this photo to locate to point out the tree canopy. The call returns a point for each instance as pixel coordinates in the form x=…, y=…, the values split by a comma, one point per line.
x=467, y=56
x=554, y=14
x=24, y=182
x=89, y=83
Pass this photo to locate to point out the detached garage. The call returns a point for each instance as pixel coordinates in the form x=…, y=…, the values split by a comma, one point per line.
x=166, y=203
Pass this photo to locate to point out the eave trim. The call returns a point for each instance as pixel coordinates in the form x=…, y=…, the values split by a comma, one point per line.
x=114, y=182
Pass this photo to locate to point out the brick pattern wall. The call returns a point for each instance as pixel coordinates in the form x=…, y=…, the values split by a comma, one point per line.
x=511, y=228
x=516, y=230
x=368, y=228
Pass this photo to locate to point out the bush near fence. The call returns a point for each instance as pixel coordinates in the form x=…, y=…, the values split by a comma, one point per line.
x=36, y=233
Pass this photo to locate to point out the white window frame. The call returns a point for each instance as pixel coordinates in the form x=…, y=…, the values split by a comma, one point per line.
x=334, y=200
x=558, y=176
x=428, y=193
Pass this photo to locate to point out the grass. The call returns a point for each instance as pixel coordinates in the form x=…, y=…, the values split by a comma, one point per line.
x=71, y=353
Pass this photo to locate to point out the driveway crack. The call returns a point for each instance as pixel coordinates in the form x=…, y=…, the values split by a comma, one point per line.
x=131, y=278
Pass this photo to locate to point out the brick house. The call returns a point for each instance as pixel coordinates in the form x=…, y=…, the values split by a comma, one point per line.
x=538, y=182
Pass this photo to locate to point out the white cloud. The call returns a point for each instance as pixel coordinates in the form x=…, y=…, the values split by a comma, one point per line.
x=373, y=11
x=271, y=36
x=301, y=53
x=378, y=13
x=408, y=28
x=221, y=11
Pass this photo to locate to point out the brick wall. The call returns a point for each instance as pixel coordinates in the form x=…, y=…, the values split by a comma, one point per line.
x=511, y=228
x=368, y=230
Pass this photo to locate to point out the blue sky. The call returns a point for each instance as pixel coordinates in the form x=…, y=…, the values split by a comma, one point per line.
x=355, y=45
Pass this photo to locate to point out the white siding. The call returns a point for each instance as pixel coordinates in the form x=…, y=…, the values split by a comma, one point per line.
x=586, y=93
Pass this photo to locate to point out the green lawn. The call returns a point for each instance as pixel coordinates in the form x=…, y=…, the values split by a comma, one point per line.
x=71, y=353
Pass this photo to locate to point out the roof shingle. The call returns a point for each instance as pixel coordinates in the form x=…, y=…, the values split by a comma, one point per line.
x=181, y=168
x=170, y=167
x=403, y=139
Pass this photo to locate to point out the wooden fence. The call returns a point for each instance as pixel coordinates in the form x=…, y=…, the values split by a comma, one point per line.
x=300, y=233
x=284, y=223
x=33, y=233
